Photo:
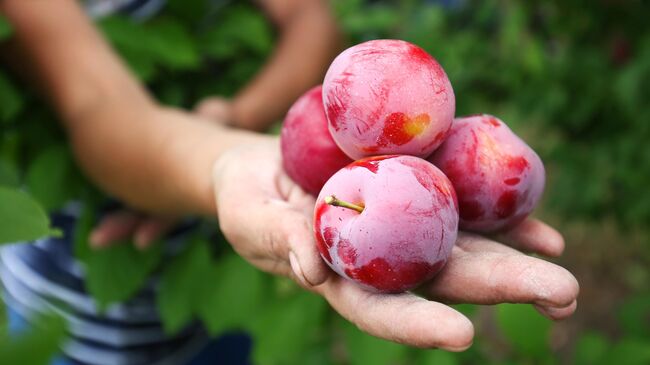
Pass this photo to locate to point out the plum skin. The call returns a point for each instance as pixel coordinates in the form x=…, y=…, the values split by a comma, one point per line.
x=406, y=231
x=387, y=97
x=309, y=154
x=499, y=179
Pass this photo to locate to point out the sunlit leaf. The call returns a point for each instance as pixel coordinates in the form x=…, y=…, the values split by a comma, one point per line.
x=233, y=295
x=36, y=346
x=182, y=288
x=49, y=177
x=171, y=45
x=21, y=217
x=8, y=174
x=115, y=273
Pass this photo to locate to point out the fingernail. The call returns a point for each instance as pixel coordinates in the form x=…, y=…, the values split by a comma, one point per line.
x=458, y=349
x=297, y=270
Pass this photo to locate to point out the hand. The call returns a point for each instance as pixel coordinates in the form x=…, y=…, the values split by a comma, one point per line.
x=216, y=109
x=124, y=224
x=267, y=219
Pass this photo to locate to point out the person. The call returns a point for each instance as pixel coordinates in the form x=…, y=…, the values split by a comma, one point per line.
x=167, y=161
x=45, y=275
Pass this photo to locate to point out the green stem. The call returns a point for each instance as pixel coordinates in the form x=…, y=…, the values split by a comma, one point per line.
x=332, y=200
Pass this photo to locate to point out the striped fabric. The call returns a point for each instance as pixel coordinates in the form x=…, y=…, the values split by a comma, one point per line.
x=138, y=9
x=43, y=276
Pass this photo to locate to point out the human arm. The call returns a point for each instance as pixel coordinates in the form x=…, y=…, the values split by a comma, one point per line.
x=308, y=41
x=129, y=145
x=166, y=161
x=278, y=238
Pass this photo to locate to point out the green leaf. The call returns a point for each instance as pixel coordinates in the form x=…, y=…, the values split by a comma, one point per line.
x=131, y=40
x=365, y=349
x=21, y=217
x=629, y=352
x=376, y=19
x=468, y=310
x=5, y=28
x=140, y=63
x=182, y=286
x=162, y=42
x=634, y=316
x=590, y=349
x=285, y=328
x=192, y=10
x=83, y=228
x=3, y=321
x=226, y=40
x=318, y=354
x=35, y=347
x=10, y=100
x=8, y=174
x=233, y=295
x=115, y=273
x=172, y=45
x=526, y=330
x=49, y=177
x=437, y=357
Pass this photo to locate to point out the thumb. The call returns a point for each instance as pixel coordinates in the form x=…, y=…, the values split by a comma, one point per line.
x=273, y=232
x=295, y=241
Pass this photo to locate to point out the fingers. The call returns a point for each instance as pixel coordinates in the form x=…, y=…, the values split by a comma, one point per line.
x=403, y=318
x=114, y=227
x=265, y=217
x=481, y=271
x=533, y=235
x=126, y=225
x=215, y=109
x=289, y=237
x=262, y=228
x=151, y=229
x=557, y=313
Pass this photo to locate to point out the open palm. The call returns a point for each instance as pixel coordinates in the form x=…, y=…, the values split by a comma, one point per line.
x=267, y=219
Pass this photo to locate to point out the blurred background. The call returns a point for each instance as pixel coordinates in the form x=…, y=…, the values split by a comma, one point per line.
x=571, y=77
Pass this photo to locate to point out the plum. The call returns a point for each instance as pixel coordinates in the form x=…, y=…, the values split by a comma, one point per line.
x=387, y=222
x=309, y=154
x=498, y=178
x=387, y=97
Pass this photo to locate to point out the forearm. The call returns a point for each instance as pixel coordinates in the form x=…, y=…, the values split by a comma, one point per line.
x=74, y=66
x=153, y=158
x=309, y=39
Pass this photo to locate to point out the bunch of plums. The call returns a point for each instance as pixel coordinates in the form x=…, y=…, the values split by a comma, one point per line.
x=395, y=174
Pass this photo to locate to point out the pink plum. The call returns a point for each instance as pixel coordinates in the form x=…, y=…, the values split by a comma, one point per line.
x=387, y=222
x=498, y=178
x=309, y=154
x=387, y=97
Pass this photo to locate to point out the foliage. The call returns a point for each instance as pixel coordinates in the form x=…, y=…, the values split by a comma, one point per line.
x=35, y=347
x=576, y=75
x=21, y=216
x=571, y=79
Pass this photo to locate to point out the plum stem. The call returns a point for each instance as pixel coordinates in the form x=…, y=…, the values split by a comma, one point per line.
x=332, y=200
